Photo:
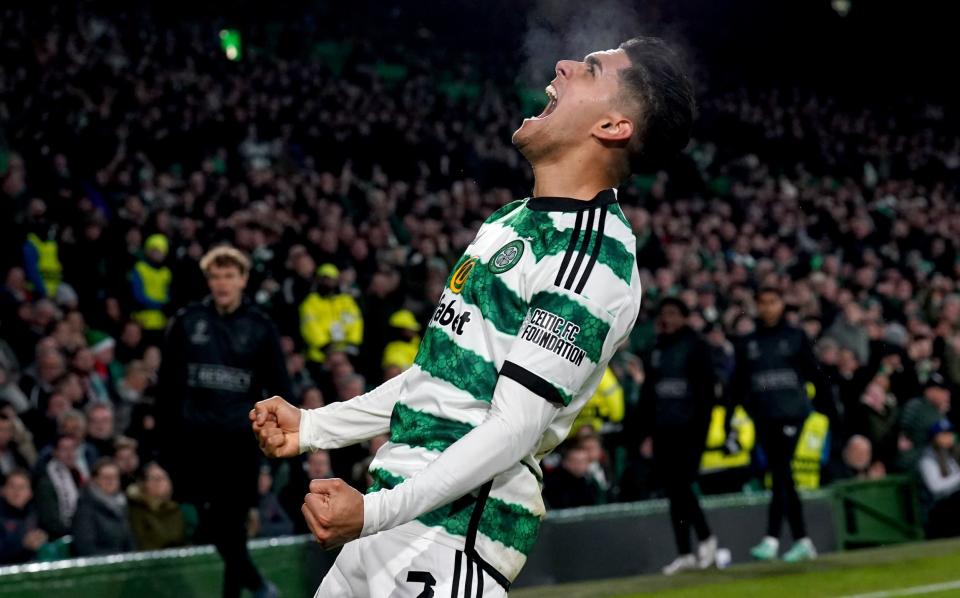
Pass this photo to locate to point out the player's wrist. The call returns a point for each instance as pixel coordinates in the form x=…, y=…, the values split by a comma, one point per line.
x=304, y=441
x=371, y=508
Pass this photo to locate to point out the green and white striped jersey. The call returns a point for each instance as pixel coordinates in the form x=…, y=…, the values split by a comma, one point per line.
x=543, y=295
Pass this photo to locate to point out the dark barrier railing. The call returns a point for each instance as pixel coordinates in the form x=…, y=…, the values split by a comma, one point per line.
x=612, y=540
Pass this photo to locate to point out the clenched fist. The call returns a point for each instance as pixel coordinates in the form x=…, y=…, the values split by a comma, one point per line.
x=334, y=512
x=277, y=426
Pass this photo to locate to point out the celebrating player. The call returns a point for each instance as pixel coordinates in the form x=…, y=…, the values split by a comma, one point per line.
x=530, y=316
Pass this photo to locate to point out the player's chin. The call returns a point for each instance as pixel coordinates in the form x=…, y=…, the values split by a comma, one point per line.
x=527, y=131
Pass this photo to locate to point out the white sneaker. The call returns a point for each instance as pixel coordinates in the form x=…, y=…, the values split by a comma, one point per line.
x=707, y=553
x=766, y=550
x=684, y=562
x=802, y=550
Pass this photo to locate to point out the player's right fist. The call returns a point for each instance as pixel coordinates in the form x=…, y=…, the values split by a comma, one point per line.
x=277, y=426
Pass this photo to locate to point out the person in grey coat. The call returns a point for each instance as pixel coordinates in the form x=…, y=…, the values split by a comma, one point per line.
x=101, y=524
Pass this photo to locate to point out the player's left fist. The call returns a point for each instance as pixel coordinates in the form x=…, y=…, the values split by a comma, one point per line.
x=334, y=512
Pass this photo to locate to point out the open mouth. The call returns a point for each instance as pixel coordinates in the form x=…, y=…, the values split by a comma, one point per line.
x=551, y=104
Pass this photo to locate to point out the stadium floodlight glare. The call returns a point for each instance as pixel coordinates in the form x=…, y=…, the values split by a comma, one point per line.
x=231, y=44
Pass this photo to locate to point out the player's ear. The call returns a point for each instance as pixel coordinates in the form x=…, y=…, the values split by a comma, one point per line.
x=614, y=128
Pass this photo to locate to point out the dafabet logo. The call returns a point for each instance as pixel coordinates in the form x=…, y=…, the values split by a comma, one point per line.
x=462, y=273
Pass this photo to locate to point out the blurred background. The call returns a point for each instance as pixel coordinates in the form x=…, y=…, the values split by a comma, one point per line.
x=353, y=149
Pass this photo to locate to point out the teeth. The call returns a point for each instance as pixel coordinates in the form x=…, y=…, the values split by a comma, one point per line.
x=552, y=92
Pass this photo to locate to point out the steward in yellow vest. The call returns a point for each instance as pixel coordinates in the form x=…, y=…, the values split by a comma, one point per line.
x=605, y=407
x=812, y=450
x=150, y=284
x=718, y=456
x=808, y=458
x=42, y=265
x=330, y=318
x=400, y=353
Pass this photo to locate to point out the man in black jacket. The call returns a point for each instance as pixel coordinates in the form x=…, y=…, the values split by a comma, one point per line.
x=222, y=355
x=677, y=397
x=773, y=365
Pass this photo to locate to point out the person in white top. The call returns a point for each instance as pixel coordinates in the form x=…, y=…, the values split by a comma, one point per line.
x=530, y=317
x=940, y=474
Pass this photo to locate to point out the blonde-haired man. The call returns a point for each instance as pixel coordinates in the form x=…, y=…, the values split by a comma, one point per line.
x=222, y=355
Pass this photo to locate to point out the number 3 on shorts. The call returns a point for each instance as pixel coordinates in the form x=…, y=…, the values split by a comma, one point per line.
x=426, y=579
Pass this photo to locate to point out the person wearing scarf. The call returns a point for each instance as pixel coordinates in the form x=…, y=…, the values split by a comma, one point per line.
x=58, y=488
x=101, y=525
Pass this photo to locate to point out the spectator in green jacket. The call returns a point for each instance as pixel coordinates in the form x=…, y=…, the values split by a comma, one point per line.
x=157, y=521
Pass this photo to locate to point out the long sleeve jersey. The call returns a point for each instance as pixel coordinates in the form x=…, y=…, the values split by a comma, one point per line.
x=525, y=327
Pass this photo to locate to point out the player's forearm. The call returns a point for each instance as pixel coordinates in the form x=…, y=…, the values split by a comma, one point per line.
x=349, y=422
x=509, y=434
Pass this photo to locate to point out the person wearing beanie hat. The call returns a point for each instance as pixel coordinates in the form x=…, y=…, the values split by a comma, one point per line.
x=156, y=248
x=330, y=318
x=896, y=334
x=100, y=342
x=329, y=271
x=150, y=285
x=943, y=426
x=918, y=417
x=400, y=353
x=940, y=474
x=106, y=366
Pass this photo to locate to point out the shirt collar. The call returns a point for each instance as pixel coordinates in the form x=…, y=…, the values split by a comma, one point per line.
x=569, y=204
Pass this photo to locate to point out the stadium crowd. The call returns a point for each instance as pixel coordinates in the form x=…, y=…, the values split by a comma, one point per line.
x=353, y=183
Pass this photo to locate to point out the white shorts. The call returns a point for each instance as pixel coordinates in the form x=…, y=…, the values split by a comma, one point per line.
x=399, y=564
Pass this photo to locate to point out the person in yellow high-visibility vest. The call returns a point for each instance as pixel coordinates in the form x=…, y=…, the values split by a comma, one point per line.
x=330, y=317
x=42, y=265
x=399, y=354
x=722, y=461
x=605, y=407
x=150, y=283
x=813, y=448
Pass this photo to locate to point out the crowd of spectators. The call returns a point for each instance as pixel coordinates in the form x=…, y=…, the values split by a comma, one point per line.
x=128, y=149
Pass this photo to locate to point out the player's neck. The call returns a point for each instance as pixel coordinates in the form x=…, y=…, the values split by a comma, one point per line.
x=576, y=178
